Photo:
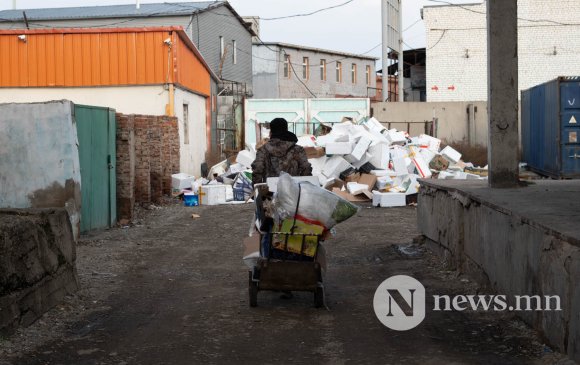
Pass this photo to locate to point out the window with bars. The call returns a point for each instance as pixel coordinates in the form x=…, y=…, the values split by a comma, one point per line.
x=323, y=70
x=353, y=73
x=338, y=71
x=234, y=53
x=368, y=74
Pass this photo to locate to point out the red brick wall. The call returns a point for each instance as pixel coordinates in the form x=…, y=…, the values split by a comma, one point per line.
x=147, y=155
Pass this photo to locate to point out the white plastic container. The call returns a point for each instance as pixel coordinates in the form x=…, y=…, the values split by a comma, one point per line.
x=212, y=195
x=181, y=181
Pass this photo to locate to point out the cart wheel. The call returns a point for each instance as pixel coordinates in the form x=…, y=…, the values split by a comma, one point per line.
x=319, y=297
x=253, y=291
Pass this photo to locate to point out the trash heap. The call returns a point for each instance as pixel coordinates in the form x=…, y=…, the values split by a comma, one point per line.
x=363, y=162
x=359, y=162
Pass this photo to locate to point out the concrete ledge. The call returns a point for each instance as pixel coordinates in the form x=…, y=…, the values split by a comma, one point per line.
x=37, y=264
x=518, y=241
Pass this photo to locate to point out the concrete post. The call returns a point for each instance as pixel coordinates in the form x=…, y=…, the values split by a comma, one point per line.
x=502, y=62
x=401, y=77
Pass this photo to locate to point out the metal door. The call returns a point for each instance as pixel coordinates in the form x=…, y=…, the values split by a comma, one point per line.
x=96, y=134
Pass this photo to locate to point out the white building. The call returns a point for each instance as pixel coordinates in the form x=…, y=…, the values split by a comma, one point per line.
x=548, y=47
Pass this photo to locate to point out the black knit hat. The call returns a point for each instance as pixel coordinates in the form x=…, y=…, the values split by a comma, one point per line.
x=279, y=130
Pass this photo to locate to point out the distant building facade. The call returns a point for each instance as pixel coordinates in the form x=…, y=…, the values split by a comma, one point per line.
x=282, y=70
x=548, y=47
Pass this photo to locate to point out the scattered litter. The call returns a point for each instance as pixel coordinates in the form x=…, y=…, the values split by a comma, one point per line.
x=194, y=216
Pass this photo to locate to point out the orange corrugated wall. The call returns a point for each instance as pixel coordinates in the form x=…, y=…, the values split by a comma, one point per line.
x=92, y=58
x=190, y=71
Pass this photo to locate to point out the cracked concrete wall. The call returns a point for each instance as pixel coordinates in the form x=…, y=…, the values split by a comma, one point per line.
x=39, y=158
x=37, y=264
x=511, y=255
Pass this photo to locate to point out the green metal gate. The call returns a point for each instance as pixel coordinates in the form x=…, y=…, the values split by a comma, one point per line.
x=96, y=129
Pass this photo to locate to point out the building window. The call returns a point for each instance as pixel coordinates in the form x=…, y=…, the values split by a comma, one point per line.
x=322, y=70
x=222, y=49
x=287, y=66
x=185, y=124
x=368, y=74
x=305, y=68
x=234, y=53
x=338, y=71
x=353, y=73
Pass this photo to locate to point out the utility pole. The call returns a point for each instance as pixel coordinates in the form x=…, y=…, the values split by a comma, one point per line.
x=502, y=64
x=13, y=4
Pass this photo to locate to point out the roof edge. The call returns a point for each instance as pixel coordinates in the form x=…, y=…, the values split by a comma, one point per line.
x=315, y=49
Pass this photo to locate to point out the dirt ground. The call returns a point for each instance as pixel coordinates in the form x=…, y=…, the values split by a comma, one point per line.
x=172, y=289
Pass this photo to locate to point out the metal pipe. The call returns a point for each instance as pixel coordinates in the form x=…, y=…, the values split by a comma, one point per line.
x=13, y=4
x=138, y=4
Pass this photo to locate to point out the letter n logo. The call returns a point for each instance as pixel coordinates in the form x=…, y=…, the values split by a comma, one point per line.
x=399, y=302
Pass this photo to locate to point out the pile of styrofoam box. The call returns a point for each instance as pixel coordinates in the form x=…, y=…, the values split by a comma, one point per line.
x=396, y=159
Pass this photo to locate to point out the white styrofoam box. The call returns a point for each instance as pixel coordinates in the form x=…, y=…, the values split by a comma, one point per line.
x=395, y=137
x=374, y=126
x=361, y=148
x=384, y=173
x=422, y=167
x=181, y=181
x=450, y=154
x=273, y=181
x=324, y=181
x=212, y=194
x=401, y=165
x=459, y=175
x=389, y=199
x=246, y=158
x=472, y=176
x=342, y=128
x=339, y=148
x=444, y=175
x=307, y=140
x=355, y=188
x=342, y=138
x=412, y=184
x=321, y=141
x=357, y=164
x=427, y=154
x=229, y=193
x=398, y=152
x=433, y=143
x=317, y=164
x=236, y=168
x=334, y=166
x=380, y=155
x=384, y=182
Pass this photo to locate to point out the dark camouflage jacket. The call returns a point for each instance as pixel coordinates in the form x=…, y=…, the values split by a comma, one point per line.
x=277, y=156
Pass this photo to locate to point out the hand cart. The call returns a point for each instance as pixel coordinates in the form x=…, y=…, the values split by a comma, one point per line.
x=281, y=267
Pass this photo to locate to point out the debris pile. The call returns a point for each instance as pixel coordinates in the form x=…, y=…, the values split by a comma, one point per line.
x=358, y=162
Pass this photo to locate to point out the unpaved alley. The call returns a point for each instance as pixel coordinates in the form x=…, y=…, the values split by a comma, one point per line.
x=173, y=289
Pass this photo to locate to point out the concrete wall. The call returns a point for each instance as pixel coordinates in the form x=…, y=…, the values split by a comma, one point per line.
x=37, y=264
x=143, y=100
x=271, y=62
x=39, y=158
x=149, y=100
x=453, y=119
x=457, y=47
x=511, y=253
x=193, y=153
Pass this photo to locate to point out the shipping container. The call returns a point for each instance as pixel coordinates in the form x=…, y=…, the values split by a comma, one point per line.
x=551, y=128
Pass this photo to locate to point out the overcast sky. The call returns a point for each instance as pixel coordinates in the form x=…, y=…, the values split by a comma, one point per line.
x=354, y=27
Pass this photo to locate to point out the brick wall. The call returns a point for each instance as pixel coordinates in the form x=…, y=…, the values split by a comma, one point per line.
x=147, y=155
x=457, y=47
